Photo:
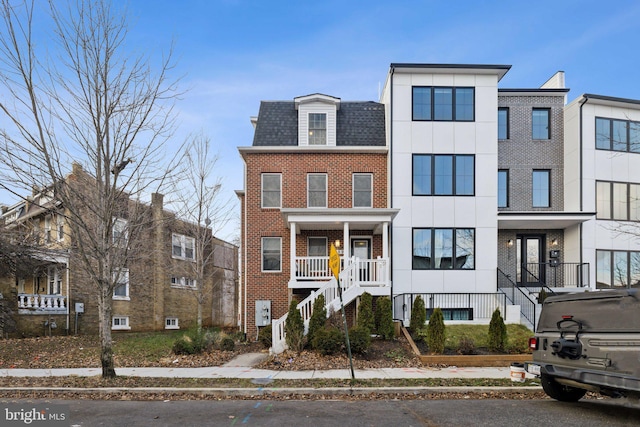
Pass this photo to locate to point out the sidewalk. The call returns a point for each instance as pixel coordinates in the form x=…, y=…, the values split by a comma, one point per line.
x=251, y=373
x=242, y=368
x=262, y=378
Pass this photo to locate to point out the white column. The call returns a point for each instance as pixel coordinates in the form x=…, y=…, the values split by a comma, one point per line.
x=385, y=240
x=292, y=252
x=347, y=242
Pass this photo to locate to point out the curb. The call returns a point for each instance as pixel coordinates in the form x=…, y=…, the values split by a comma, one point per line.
x=272, y=392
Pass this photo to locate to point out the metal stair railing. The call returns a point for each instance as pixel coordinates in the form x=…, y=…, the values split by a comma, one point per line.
x=518, y=297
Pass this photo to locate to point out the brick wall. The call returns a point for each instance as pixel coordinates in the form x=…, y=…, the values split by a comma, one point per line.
x=520, y=154
x=259, y=222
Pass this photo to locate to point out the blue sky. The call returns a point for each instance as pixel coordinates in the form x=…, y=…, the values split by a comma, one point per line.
x=234, y=53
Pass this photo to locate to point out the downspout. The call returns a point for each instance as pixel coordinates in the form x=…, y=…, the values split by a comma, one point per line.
x=581, y=172
x=68, y=296
x=390, y=178
x=243, y=283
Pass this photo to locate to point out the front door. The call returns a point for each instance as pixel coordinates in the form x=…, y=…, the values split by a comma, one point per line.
x=530, y=260
x=361, y=249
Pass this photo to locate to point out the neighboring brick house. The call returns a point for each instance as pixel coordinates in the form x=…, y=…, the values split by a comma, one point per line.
x=314, y=176
x=156, y=290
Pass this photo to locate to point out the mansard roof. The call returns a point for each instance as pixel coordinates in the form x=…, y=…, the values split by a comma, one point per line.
x=359, y=123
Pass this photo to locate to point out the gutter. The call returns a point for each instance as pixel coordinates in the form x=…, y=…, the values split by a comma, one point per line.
x=586, y=98
x=390, y=178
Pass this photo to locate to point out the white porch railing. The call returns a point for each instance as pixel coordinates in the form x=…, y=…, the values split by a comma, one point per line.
x=312, y=268
x=368, y=272
x=42, y=302
x=357, y=277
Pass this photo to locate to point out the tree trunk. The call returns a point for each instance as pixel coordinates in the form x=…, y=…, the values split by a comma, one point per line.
x=106, y=350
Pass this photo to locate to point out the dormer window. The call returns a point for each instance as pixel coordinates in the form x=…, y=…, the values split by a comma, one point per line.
x=317, y=120
x=317, y=129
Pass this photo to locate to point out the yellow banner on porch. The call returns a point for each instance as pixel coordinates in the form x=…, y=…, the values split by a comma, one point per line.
x=334, y=261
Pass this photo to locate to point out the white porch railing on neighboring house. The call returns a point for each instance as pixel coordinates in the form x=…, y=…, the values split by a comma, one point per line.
x=357, y=277
x=39, y=302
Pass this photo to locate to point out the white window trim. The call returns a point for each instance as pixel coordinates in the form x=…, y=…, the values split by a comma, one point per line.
x=54, y=279
x=262, y=255
x=353, y=190
x=47, y=229
x=120, y=326
x=183, y=247
x=183, y=282
x=326, y=191
x=173, y=320
x=122, y=226
x=279, y=175
x=60, y=227
x=326, y=131
x=125, y=272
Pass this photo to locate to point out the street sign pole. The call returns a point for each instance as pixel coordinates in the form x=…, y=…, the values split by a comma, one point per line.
x=334, y=264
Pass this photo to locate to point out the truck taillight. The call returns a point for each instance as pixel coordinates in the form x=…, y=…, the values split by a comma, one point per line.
x=533, y=343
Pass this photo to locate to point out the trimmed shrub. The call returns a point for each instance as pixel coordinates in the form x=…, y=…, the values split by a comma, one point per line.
x=418, y=316
x=384, y=318
x=359, y=339
x=192, y=342
x=265, y=335
x=294, y=328
x=318, y=318
x=365, y=313
x=497, y=338
x=466, y=346
x=328, y=341
x=435, y=332
x=227, y=344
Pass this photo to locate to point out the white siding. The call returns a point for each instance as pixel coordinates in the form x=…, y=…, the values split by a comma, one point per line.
x=479, y=212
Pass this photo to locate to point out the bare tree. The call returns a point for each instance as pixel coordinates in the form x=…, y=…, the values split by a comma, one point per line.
x=201, y=205
x=78, y=95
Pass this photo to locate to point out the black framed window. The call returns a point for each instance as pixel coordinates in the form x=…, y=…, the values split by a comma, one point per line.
x=540, y=123
x=443, y=175
x=503, y=123
x=618, y=201
x=443, y=249
x=617, y=269
x=435, y=103
x=503, y=188
x=541, y=188
x=617, y=135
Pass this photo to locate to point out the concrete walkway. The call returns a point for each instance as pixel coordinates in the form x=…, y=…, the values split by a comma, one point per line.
x=241, y=367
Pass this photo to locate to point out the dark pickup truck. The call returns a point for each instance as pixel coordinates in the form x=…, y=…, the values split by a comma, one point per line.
x=588, y=342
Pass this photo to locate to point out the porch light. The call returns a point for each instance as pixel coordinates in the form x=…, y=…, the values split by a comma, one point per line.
x=510, y=242
x=554, y=242
x=337, y=243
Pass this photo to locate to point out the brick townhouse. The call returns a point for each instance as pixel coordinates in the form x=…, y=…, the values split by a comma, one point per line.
x=156, y=288
x=316, y=175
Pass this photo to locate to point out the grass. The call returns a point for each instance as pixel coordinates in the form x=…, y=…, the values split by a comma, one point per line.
x=517, y=337
x=145, y=345
x=138, y=382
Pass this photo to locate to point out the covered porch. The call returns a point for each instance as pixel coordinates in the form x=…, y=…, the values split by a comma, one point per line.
x=47, y=290
x=360, y=236
x=542, y=250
